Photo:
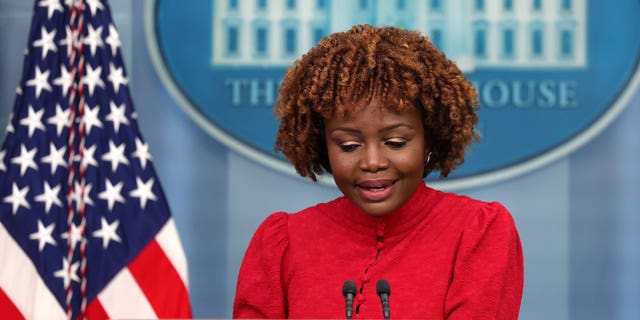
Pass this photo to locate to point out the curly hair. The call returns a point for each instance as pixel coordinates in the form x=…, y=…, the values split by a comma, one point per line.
x=348, y=68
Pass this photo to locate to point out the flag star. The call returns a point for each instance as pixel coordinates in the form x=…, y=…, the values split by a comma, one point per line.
x=3, y=167
x=117, y=115
x=81, y=197
x=94, y=5
x=72, y=236
x=113, y=40
x=25, y=159
x=55, y=157
x=64, y=80
x=92, y=79
x=40, y=81
x=10, y=128
x=87, y=158
x=94, y=39
x=52, y=6
x=19, y=90
x=107, y=232
x=70, y=37
x=46, y=41
x=90, y=118
x=61, y=119
x=43, y=235
x=33, y=120
x=112, y=194
x=143, y=191
x=69, y=3
x=68, y=272
x=142, y=152
x=49, y=196
x=116, y=77
x=115, y=155
x=18, y=198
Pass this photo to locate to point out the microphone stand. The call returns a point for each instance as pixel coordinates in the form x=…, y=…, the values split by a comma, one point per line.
x=349, y=291
x=384, y=291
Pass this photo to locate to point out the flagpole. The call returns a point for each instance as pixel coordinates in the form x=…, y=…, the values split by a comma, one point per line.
x=111, y=250
x=76, y=102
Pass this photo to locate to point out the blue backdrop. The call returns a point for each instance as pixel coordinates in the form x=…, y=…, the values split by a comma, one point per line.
x=578, y=216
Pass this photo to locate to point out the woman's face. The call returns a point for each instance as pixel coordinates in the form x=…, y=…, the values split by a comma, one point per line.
x=377, y=157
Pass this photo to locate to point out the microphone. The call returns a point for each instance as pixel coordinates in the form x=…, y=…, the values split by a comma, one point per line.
x=384, y=291
x=349, y=291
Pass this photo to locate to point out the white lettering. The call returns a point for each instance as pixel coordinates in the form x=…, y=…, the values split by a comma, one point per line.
x=495, y=94
x=544, y=94
x=529, y=95
x=547, y=94
x=567, y=94
x=252, y=92
x=262, y=88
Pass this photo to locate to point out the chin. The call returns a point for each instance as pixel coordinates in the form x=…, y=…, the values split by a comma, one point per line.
x=376, y=211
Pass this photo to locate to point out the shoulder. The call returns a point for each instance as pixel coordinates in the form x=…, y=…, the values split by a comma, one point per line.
x=317, y=213
x=463, y=203
x=279, y=224
x=273, y=231
x=475, y=213
x=487, y=225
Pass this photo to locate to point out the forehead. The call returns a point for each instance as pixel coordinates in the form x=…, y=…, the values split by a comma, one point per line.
x=376, y=113
x=365, y=105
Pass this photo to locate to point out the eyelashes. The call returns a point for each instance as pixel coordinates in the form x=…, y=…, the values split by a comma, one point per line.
x=393, y=144
x=396, y=144
x=349, y=147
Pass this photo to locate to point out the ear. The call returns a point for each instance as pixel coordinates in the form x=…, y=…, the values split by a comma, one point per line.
x=427, y=157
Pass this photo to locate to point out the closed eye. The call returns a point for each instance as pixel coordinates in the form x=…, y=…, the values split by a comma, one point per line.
x=349, y=147
x=396, y=144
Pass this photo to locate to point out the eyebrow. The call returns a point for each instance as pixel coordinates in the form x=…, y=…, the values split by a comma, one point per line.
x=383, y=130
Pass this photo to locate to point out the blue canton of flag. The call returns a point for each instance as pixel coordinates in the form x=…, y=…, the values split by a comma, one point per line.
x=85, y=228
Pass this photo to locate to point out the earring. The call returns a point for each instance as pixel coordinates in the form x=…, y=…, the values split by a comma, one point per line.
x=426, y=162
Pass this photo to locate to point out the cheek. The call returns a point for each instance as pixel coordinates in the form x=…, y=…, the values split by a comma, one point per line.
x=410, y=161
x=332, y=155
x=343, y=165
x=340, y=164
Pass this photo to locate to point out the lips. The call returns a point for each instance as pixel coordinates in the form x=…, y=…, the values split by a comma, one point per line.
x=375, y=190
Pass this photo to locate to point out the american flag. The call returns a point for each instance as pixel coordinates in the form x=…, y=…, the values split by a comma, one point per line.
x=85, y=228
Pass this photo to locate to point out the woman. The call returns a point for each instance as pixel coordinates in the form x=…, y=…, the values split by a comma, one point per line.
x=380, y=108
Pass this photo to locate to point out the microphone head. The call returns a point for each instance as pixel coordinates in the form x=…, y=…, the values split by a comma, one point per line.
x=349, y=286
x=383, y=287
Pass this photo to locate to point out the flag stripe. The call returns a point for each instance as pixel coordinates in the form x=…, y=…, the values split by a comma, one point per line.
x=152, y=264
x=19, y=278
x=79, y=197
x=169, y=241
x=122, y=298
x=8, y=311
x=95, y=311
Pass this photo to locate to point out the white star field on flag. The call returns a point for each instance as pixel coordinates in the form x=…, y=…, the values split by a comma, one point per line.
x=77, y=184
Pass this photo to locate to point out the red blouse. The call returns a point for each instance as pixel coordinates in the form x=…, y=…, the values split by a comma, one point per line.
x=445, y=256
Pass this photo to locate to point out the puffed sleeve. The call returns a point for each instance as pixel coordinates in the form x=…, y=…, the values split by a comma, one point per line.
x=488, y=271
x=260, y=292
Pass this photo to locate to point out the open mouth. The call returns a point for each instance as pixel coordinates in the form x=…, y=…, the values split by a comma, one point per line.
x=375, y=190
x=376, y=184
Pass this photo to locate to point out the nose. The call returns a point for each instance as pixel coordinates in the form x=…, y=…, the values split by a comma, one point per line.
x=373, y=160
